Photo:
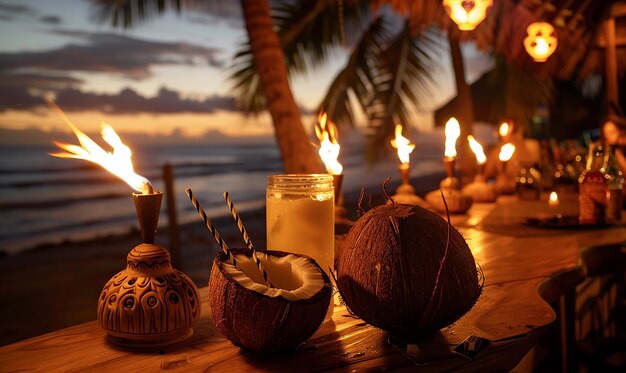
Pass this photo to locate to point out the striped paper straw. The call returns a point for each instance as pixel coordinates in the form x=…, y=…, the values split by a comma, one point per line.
x=246, y=238
x=209, y=225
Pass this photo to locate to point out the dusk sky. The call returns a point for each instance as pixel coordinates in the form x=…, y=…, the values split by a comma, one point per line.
x=166, y=75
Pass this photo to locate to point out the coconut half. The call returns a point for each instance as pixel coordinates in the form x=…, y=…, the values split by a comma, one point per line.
x=257, y=317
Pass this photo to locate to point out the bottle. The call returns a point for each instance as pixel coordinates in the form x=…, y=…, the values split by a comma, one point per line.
x=615, y=184
x=592, y=187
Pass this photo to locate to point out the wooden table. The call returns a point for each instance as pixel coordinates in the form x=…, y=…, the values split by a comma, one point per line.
x=510, y=312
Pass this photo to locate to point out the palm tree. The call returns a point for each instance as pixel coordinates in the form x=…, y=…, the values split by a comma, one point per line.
x=385, y=75
x=296, y=151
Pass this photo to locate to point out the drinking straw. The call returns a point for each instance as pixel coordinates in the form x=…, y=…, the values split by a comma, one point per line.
x=210, y=226
x=246, y=238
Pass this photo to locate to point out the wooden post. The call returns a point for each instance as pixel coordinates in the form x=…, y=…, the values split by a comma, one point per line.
x=168, y=177
x=612, y=92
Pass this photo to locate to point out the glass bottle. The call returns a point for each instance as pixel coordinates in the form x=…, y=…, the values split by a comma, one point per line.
x=300, y=217
x=592, y=187
x=615, y=184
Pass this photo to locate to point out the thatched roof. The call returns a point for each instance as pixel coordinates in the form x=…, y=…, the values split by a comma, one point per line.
x=578, y=24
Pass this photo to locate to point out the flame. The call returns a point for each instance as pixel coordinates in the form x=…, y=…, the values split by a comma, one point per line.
x=481, y=158
x=554, y=198
x=453, y=131
x=403, y=145
x=118, y=162
x=504, y=129
x=506, y=152
x=326, y=132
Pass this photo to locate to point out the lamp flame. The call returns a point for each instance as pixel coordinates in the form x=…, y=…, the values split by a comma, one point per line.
x=117, y=162
x=453, y=131
x=481, y=158
x=506, y=152
x=326, y=132
x=403, y=145
x=467, y=14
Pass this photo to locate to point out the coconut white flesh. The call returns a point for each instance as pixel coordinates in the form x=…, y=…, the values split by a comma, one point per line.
x=293, y=277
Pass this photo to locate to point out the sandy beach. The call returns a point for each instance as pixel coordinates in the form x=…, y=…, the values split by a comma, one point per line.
x=55, y=286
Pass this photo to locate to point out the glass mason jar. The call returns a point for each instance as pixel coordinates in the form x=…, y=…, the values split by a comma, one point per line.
x=300, y=217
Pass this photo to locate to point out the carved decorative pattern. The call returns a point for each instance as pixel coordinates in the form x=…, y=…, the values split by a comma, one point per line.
x=149, y=300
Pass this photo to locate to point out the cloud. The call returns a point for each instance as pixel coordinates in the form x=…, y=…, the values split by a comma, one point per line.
x=51, y=20
x=16, y=8
x=111, y=53
x=128, y=101
x=17, y=91
x=53, y=82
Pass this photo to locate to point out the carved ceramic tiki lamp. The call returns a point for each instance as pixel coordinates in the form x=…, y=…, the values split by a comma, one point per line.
x=149, y=303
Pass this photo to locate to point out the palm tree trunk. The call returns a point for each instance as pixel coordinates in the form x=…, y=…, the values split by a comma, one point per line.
x=465, y=107
x=296, y=151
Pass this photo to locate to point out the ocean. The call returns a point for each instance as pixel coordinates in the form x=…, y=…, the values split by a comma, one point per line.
x=46, y=200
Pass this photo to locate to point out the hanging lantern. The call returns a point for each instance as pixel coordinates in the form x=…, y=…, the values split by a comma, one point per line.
x=541, y=41
x=467, y=14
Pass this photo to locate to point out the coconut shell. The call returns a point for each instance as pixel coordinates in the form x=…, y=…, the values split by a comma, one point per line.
x=259, y=322
x=388, y=269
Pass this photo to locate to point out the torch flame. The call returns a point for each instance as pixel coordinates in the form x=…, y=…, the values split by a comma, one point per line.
x=481, y=158
x=403, y=145
x=554, y=198
x=326, y=132
x=453, y=131
x=504, y=129
x=118, y=162
x=506, y=152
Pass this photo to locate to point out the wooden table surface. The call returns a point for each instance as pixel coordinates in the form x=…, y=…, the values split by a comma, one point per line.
x=510, y=312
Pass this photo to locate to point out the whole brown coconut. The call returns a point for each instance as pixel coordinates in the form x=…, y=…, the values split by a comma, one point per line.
x=395, y=271
x=260, y=318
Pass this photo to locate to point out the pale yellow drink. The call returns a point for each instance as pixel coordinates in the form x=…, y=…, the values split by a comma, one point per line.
x=300, y=217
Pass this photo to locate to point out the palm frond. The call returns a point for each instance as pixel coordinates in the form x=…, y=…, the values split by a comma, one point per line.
x=126, y=13
x=408, y=66
x=309, y=32
x=358, y=77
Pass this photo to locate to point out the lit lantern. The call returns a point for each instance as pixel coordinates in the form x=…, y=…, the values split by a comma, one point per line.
x=467, y=14
x=541, y=41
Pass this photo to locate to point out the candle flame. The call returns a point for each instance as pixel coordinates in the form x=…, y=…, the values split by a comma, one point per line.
x=453, y=131
x=326, y=132
x=481, y=158
x=504, y=129
x=554, y=198
x=506, y=152
x=117, y=162
x=403, y=145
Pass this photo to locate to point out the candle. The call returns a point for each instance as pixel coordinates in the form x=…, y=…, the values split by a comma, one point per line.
x=404, y=147
x=505, y=130
x=553, y=201
x=481, y=158
x=326, y=132
x=452, y=131
x=506, y=152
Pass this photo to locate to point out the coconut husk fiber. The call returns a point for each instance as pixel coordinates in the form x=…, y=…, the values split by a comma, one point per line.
x=406, y=270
